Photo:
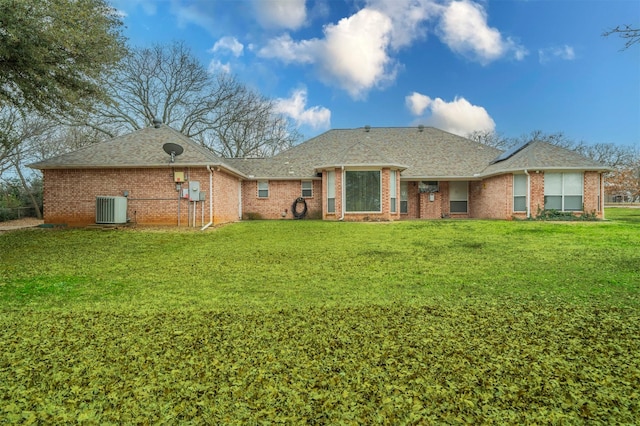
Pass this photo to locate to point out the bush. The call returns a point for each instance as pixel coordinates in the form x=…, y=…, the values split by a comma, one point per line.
x=566, y=216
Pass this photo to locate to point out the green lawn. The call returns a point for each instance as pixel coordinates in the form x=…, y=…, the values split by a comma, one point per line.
x=317, y=322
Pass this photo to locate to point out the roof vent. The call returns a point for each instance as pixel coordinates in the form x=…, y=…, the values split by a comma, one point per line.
x=367, y=128
x=421, y=128
x=157, y=123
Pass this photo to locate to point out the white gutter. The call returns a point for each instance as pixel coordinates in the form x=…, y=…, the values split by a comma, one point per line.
x=526, y=172
x=210, y=199
x=342, y=190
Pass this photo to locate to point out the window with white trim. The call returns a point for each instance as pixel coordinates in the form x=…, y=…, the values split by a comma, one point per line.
x=458, y=196
x=393, y=190
x=307, y=188
x=263, y=189
x=363, y=191
x=331, y=192
x=563, y=191
x=519, y=193
x=404, y=196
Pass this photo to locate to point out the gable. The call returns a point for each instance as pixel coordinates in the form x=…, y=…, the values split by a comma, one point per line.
x=140, y=149
x=538, y=155
x=419, y=152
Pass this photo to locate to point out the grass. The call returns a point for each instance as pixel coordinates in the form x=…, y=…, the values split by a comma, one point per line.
x=310, y=263
x=314, y=322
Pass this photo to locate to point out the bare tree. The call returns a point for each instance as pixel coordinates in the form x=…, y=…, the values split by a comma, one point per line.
x=22, y=131
x=490, y=138
x=249, y=127
x=628, y=33
x=167, y=82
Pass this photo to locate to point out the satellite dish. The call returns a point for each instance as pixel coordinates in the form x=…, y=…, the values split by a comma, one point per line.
x=173, y=149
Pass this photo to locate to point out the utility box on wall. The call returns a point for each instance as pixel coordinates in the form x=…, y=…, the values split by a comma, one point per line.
x=178, y=177
x=194, y=191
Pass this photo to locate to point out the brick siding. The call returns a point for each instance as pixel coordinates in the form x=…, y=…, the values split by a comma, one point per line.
x=70, y=195
x=278, y=205
x=491, y=198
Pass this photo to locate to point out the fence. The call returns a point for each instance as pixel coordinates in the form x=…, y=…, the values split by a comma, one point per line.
x=16, y=213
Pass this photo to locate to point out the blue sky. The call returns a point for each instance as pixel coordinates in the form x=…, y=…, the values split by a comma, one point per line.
x=512, y=66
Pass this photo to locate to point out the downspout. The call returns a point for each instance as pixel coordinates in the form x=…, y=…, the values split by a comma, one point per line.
x=239, y=200
x=526, y=172
x=342, y=192
x=210, y=199
x=602, y=194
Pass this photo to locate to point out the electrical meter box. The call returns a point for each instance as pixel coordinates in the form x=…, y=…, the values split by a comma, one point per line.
x=178, y=177
x=194, y=191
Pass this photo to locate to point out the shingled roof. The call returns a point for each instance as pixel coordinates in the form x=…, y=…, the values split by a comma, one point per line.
x=140, y=149
x=419, y=152
x=538, y=155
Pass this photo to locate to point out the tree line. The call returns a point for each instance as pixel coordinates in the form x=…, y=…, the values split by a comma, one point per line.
x=69, y=79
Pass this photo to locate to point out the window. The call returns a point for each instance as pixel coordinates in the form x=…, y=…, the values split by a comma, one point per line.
x=563, y=191
x=458, y=197
x=263, y=189
x=307, y=188
x=429, y=186
x=393, y=190
x=331, y=192
x=362, y=191
x=404, y=197
x=519, y=193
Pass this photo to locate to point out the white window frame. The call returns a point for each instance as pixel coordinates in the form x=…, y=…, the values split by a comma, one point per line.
x=309, y=193
x=404, y=197
x=565, y=190
x=331, y=191
x=519, y=194
x=263, y=189
x=456, y=199
x=393, y=191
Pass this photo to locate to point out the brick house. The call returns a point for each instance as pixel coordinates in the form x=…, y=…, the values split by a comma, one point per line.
x=348, y=174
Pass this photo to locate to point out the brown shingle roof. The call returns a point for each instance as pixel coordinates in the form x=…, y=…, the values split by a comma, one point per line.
x=419, y=152
x=142, y=148
x=538, y=155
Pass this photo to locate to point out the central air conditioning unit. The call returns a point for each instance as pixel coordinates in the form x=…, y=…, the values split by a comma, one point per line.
x=111, y=210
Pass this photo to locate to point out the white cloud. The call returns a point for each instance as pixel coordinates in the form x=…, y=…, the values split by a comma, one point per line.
x=281, y=14
x=355, y=52
x=459, y=116
x=215, y=66
x=352, y=55
x=558, y=52
x=228, y=43
x=417, y=103
x=288, y=50
x=199, y=12
x=407, y=18
x=464, y=28
x=296, y=107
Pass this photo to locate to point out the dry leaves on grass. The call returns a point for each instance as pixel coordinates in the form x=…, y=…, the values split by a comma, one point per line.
x=514, y=363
